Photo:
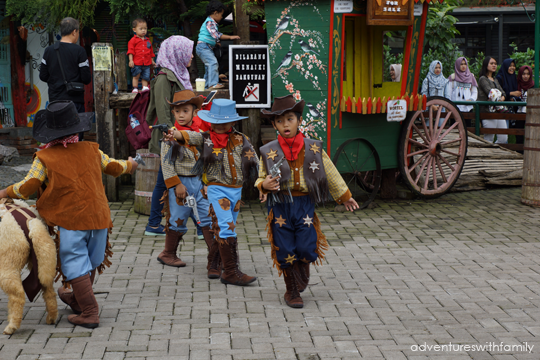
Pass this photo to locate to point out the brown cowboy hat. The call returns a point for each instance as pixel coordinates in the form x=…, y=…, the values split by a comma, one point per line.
x=283, y=104
x=184, y=97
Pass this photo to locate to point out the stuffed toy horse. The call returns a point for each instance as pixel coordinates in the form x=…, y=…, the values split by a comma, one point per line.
x=25, y=240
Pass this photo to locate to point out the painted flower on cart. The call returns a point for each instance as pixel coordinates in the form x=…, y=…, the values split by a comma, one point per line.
x=296, y=57
x=290, y=87
x=297, y=96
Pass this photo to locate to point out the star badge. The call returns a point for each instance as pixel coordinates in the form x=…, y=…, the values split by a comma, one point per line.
x=314, y=148
x=231, y=226
x=281, y=221
x=290, y=259
x=238, y=137
x=308, y=221
x=179, y=222
x=313, y=166
x=272, y=154
x=209, y=142
x=216, y=151
x=225, y=204
x=249, y=154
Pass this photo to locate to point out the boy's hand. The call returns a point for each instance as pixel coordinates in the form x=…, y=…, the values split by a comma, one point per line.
x=153, y=62
x=134, y=165
x=180, y=191
x=235, y=37
x=131, y=63
x=205, y=189
x=351, y=205
x=262, y=196
x=270, y=183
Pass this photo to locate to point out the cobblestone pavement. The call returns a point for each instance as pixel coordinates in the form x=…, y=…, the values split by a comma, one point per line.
x=461, y=270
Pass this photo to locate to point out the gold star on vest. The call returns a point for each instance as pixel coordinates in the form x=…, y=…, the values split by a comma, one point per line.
x=209, y=142
x=290, y=259
x=272, y=154
x=238, y=137
x=314, y=148
x=249, y=154
x=308, y=221
x=216, y=151
x=313, y=166
x=281, y=221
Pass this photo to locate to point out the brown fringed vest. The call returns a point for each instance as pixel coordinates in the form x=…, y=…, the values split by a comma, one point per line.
x=313, y=167
x=75, y=198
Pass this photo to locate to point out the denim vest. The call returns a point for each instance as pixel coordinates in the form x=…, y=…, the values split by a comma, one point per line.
x=204, y=34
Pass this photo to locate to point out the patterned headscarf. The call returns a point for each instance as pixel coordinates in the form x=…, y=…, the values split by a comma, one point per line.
x=466, y=76
x=397, y=72
x=436, y=81
x=174, y=54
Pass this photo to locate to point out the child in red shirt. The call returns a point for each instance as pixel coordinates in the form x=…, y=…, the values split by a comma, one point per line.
x=140, y=54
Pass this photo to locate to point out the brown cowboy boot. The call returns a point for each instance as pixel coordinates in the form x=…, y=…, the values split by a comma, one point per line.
x=82, y=289
x=69, y=298
x=229, y=257
x=301, y=270
x=292, y=296
x=214, y=259
x=168, y=255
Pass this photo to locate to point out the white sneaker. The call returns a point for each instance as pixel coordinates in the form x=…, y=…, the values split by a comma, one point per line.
x=134, y=91
x=145, y=88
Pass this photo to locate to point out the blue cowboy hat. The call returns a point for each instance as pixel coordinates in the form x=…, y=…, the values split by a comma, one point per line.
x=223, y=111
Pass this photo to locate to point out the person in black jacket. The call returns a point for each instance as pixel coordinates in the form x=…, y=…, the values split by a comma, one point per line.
x=74, y=63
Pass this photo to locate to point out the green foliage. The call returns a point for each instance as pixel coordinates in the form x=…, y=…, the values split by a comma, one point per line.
x=522, y=57
x=50, y=12
x=254, y=10
x=475, y=64
x=441, y=26
x=131, y=8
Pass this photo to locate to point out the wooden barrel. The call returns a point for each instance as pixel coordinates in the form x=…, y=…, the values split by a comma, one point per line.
x=145, y=181
x=530, y=188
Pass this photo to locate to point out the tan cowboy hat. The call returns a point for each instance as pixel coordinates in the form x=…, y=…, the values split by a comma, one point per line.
x=184, y=97
x=283, y=104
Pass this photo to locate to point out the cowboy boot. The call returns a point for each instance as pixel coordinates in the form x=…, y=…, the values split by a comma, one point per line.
x=292, y=296
x=301, y=270
x=214, y=259
x=69, y=298
x=168, y=255
x=229, y=257
x=82, y=289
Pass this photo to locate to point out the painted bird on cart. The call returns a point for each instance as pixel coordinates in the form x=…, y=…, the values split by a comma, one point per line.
x=305, y=46
x=314, y=112
x=282, y=25
x=286, y=61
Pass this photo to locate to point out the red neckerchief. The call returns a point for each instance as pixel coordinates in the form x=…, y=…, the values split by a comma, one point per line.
x=220, y=140
x=72, y=139
x=291, y=147
x=193, y=126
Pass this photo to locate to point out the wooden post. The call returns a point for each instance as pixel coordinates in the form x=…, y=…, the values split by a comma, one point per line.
x=123, y=143
x=530, y=189
x=17, y=78
x=106, y=128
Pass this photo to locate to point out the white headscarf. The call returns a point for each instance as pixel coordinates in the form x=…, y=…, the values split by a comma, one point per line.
x=397, y=71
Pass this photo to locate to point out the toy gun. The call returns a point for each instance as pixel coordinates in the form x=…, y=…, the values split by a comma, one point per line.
x=275, y=171
x=190, y=202
x=161, y=127
x=139, y=160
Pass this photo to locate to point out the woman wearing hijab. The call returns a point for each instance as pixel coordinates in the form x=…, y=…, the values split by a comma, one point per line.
x=395, y=72
x=174, y=58
x=486, y=82
x=462, y=85
x=435, y=83
x=525, y=82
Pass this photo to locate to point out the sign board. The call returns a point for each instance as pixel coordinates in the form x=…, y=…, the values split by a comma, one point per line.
x=343, y=6
x=102, y=57
x=396, y=110
x=389, y=12
x=249, y=76
x=418, y=9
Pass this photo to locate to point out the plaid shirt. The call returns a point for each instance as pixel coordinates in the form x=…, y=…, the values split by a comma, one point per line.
x=337, y=186
x=212, y=28
x=39, y=171
x=233, y=176
x=179, y=168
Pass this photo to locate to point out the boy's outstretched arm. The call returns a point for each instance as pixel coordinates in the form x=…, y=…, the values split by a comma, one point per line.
x=115, y=167
x=31, y=183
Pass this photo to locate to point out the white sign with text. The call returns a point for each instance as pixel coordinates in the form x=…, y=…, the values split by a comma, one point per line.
x=343, y=6
x=396, y=110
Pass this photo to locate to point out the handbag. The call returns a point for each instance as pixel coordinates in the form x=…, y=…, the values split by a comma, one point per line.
x=73, y=88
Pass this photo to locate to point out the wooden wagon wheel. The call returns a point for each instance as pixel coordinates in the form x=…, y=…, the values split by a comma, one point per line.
x=432, y=148
x=359, y=163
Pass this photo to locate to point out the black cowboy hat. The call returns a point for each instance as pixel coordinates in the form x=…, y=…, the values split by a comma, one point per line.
x=60, y=119
x=283, y=104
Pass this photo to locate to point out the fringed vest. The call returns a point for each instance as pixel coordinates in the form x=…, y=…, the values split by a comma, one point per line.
x=313, y=166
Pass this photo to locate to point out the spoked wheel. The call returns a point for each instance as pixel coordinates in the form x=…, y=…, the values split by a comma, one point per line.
x=359, y=164
x=432, y=148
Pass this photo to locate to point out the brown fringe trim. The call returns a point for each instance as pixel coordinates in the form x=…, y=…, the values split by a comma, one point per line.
x=215, y=226
x=322, y=244
x=166, y=210
x=105, y=264
x=270, y=235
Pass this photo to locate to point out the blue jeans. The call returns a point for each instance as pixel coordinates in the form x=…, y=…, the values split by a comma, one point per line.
x=211, y=66
x=156, y=207
x=225, y=200
x=143, y=70
x=180, y=214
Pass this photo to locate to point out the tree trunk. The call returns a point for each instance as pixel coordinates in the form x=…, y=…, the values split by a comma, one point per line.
x=193, y=71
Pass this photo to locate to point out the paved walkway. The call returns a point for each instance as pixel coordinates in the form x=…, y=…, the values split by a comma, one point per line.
x=461, y=270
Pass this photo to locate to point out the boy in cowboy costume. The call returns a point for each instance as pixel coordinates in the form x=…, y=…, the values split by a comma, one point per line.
x=74, y=200
x=227, y=160
x=308, y=177
x=177, y=161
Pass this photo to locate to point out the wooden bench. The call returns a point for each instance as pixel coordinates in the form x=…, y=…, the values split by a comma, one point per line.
x=495, y=116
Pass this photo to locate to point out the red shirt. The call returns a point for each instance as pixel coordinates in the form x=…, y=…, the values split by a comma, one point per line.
x=142, y=51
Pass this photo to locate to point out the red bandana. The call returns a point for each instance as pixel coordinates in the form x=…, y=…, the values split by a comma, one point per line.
x=72, y=139
x=193, y=126
x=291, y=147
x=220, y=140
